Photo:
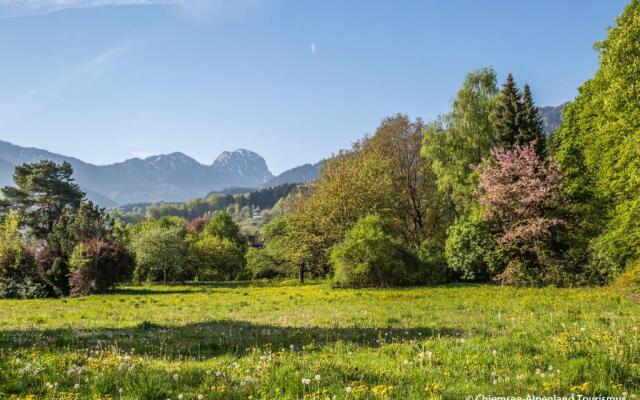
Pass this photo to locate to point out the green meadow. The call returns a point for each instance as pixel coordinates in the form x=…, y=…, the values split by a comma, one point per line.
x=284, y=340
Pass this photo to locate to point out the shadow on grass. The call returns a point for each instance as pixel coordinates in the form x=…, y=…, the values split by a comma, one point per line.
x=197, y=287
x=211, y=338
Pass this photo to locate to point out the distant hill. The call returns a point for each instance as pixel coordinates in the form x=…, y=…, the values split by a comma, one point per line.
x=302, y=174
x=551, y=118
x=168, y=177
x=6, y=173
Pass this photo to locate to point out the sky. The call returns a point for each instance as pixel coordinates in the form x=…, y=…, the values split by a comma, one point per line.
x=295, y=81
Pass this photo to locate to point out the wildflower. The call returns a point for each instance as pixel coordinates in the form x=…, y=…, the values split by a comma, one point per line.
x=550, y=368
x=348, y=389
x=208, y=372
x=306, y=381
x=76, y=386
x=218, y=373
x=175, y=377
x=317, y=378
x=120, y=390
x=200, y=397
x=180, y=396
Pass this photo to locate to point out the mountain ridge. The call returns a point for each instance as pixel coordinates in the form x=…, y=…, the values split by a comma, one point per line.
x=163, y=177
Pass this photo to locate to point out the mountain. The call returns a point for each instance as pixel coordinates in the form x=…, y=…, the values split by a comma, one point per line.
x=302, y=174
x=169, y=177
x=6, y=173
x=551, y=118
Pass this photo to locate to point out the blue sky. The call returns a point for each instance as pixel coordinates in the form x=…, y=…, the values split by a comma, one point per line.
x=107, y=80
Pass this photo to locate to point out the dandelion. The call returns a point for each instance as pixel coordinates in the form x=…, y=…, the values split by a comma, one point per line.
x=494, y=352
x=208, y=372
x=76, y=386
x=200, y=397
x=306, y=381
x=317, y=378
x=550, y=368
x=348, y=389
x=218, y=373
x=180, y=396
x=175, y=377
x=120, y=390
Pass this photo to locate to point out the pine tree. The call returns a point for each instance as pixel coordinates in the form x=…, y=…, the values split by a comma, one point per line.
x=531, y=123
x=508, y=114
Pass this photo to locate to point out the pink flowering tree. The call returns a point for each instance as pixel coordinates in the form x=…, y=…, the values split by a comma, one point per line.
x=520, y=194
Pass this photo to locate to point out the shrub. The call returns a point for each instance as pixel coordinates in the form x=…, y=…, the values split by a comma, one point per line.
x=216, y=258
x=370, y=257
x=471, y=250
x=431, y=254
x=97, y=266
x=629, y=281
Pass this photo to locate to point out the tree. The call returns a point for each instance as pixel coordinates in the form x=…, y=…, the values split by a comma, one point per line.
x=520, y=195
x=398, y=142
x=598, y=146
x=98, y=266
x=369, y=256
x=222, y=226
x=161, y=254
x=461, y=139
x=43, y=192
x=18, y=278
x=508, y=117
x=216, y=258
x=531, y=129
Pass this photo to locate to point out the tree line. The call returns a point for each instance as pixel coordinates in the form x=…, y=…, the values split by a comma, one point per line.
x=479, y=194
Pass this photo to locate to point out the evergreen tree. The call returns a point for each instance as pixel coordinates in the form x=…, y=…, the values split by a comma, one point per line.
x=508, y=114
x=44, y=192
x=531, y=123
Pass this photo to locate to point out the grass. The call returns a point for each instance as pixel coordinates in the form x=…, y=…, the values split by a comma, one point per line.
x=257, y=341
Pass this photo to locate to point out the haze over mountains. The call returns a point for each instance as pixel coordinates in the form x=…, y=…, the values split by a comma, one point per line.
x=171, y=177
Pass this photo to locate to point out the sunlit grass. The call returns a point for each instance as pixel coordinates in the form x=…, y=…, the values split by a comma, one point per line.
x=290, y=341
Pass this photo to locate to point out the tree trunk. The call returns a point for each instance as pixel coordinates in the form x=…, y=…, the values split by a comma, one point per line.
x=301, y=274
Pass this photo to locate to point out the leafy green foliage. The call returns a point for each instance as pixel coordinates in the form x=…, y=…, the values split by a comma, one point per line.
x=471, y=250
x=18, y=278
x=222, y=226
x=461, y=139
x=216, y=258
x=161, y=254
x=598, y=146
x=369, y=256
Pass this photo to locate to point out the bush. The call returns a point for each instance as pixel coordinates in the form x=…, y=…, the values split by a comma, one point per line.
x=26, y=288
x=216, y=258
x=370, y=257
x=433, y=259
x=471, y=250
x=97, y=266
x=629, y=281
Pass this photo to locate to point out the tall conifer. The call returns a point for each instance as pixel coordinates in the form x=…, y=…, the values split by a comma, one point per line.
x=531, y=123
x=508, y=114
